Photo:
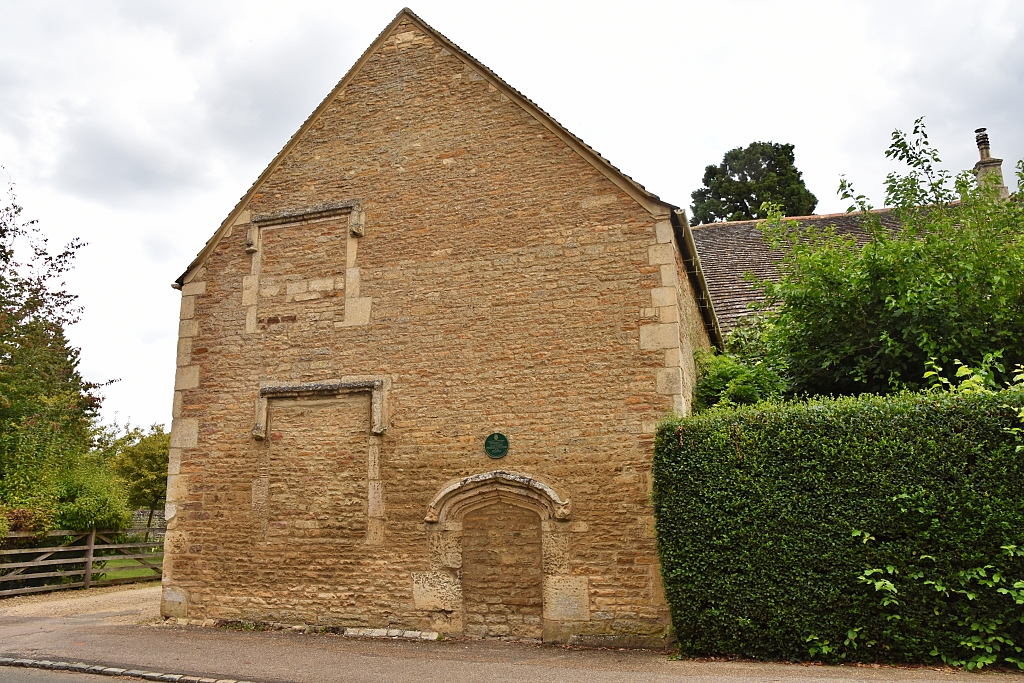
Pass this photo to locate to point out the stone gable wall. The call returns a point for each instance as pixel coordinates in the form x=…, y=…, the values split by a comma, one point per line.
x=488, y=279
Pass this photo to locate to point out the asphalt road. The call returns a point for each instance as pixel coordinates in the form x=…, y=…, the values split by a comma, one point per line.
x=122, y=629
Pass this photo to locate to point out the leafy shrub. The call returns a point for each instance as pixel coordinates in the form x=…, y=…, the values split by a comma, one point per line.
x=725, y=380
x=860, y=528
x=848, y=318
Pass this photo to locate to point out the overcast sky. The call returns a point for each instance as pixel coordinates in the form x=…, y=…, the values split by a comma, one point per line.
x=138, y=125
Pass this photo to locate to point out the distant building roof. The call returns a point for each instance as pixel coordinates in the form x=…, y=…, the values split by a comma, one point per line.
x=728, y=251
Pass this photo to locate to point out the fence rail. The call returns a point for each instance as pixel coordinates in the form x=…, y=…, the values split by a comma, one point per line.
x=84, y=559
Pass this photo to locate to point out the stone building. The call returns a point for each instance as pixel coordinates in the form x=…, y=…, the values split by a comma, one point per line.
x=420, y=366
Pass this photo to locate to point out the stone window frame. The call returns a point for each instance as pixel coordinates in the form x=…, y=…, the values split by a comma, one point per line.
x=377, y=386
x=357, y=307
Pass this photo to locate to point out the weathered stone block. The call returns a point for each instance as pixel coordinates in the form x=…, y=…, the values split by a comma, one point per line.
x=174, y=461
x=193, y=287
x=659, y=254
x=184, y=432
x=663, y=231
x=174, y=602
x=557, y=556
x=438, y=590
x=188, y=307
x=357, y=312
x=375, y=501
x=668, y=314
x=250, y=290
x=188, y=328
x=445, y=550
x=663, y=296
x=669, y=380
x=566, y=598
x=177, y=487
x=659, y=336
x=186, y=378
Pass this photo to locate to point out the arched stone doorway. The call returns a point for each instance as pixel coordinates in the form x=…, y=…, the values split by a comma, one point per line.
x=496, y=520
x=502, y=584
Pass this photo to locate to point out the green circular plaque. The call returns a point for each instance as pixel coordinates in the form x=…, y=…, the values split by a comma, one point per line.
x=496, y=445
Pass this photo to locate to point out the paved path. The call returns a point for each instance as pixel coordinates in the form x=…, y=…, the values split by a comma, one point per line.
x=121, y=628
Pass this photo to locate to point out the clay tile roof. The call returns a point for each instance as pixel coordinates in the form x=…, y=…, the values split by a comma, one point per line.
x=728, y=251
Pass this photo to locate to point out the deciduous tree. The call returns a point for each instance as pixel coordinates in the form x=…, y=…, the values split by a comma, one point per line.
x=747, y=178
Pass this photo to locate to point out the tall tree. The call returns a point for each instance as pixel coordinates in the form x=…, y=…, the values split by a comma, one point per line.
x=49, y=473
x=142, y=466
x=747, y=178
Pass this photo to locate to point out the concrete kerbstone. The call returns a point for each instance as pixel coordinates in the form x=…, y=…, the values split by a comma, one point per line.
x=390, y=633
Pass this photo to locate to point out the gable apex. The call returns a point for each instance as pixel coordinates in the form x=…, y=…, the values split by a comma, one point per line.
x=648, y=200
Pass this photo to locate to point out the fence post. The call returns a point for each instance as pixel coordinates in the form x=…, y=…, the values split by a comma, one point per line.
x=88, y=558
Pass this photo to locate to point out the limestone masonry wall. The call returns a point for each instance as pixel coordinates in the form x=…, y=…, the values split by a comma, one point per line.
x=488, y=279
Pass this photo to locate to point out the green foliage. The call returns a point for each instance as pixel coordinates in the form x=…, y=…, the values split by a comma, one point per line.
x=871, y=528
x=746, y=179
x=49, y=475
x=847, y=319
x=142, y=466
x=725, y=381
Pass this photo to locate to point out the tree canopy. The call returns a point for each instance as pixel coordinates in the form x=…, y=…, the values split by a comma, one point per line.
x=50, y=472
x=747, y=179
x=944, y=291
x=142, y=465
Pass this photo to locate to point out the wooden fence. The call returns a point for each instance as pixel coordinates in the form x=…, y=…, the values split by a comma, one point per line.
x=80, y=560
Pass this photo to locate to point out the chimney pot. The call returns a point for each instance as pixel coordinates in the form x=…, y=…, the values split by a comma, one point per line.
x=989, y=171
x=981, y=137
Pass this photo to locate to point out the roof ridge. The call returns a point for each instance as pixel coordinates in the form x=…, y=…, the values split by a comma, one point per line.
x=813, y=216
x=643, y=196
x=537, y=106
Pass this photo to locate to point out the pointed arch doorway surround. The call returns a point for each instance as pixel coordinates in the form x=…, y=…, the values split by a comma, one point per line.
x=493, y=521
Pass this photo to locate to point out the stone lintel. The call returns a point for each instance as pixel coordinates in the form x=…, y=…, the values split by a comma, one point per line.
x=324, y=212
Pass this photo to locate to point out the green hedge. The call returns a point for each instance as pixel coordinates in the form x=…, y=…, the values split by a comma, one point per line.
x=771, y=519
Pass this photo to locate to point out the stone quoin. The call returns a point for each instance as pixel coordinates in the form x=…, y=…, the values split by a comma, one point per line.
x=429, y=261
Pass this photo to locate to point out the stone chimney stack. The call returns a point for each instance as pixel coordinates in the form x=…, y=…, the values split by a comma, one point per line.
x=989, y=170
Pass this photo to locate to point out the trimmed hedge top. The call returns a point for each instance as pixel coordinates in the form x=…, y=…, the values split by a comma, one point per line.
x=846, y=528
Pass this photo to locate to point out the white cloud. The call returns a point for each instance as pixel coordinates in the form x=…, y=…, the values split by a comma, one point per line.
x=137, y=125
